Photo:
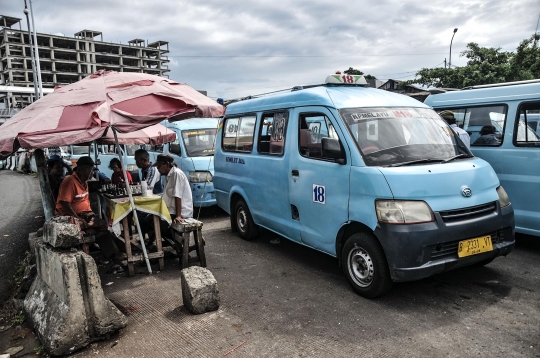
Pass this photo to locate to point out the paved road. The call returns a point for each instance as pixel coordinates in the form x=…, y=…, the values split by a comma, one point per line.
x=21, y=212
x=285, y=300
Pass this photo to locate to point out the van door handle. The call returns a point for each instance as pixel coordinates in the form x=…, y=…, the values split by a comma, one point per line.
x=295, y=173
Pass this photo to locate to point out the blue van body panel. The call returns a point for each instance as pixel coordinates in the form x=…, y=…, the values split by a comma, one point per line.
x=517, y=167
x=203, y=195
x=367, y=185
x=440, y=185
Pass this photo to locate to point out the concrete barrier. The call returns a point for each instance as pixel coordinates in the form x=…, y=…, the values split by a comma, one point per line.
x=200, y=292
x=66, y=303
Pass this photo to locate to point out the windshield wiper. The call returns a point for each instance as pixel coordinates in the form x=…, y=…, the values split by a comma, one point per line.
x=462, y=155
x=424, y=160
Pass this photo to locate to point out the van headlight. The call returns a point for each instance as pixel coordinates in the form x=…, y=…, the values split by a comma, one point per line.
x=403, y=212
x=503, y=197
x=200, y=177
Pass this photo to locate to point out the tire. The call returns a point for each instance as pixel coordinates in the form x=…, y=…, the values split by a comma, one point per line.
x=245, y=226
x=365, y=265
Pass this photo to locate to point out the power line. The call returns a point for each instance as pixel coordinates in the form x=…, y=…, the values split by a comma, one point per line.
x=304, y=56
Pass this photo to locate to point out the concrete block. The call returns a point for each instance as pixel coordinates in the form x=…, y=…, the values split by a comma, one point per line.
x=66, y=303
x=200, y=292
x=61, y=233
x=32, y=238
x=5, y=355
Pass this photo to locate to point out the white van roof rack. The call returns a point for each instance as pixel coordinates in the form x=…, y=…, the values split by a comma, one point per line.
x=502, y=84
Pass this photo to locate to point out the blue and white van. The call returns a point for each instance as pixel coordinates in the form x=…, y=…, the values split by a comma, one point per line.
x=374, y=178
x=193, y=152
x=503, y=123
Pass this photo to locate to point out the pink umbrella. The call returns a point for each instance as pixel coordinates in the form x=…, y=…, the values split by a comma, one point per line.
x=82, y=111
x=101, y=105
x=154, y=135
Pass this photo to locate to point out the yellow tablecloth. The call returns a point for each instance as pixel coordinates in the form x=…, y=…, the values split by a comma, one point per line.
x=117, y=209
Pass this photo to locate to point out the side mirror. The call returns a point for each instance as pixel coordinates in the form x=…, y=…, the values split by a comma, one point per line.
x=174, y=148
x=331, y=148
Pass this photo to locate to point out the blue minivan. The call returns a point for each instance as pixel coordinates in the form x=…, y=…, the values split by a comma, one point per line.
x=193, y=152
x=502, y=121
x=374, y=178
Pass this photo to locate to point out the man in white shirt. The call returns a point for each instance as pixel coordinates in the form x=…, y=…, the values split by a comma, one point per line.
x=176, y=191
x=448, y=116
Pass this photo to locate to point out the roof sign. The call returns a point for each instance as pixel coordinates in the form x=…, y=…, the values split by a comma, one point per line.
x=345, y=79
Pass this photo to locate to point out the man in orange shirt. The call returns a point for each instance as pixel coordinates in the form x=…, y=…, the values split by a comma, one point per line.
x=73, y=200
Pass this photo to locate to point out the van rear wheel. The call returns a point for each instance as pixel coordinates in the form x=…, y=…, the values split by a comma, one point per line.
x=245, y=226
x=365, y=265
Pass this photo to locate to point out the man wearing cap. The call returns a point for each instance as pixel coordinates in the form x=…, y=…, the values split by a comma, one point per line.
x=176, y=192
x=73, y=200
x=448, y=116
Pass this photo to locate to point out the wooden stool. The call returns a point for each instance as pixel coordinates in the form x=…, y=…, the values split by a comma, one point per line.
x=181, y=233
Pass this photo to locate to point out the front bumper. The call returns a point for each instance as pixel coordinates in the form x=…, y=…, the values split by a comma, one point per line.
x=421, y=250
x=203, y=196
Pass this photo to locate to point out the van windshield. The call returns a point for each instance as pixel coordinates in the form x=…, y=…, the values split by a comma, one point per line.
x=393, y=136
x=199, y=142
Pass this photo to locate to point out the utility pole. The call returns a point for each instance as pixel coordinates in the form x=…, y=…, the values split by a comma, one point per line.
x=38, y=68
x=34, y=75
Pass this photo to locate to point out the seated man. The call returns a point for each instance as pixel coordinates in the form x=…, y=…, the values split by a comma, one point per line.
x=176, y=194
x=150, y=173
x=73, y=200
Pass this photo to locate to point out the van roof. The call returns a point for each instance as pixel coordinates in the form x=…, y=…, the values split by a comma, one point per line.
x=325, y=95
x=192, y=123
x=498, y=94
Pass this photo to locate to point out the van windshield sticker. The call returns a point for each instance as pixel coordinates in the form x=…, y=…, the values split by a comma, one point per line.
x=195, y=133
x=393, y=113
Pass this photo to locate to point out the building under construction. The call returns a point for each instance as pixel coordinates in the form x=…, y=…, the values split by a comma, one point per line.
x=65, y=60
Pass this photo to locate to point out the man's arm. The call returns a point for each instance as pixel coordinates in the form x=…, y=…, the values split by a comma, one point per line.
x=178, y=205
x=69, y=210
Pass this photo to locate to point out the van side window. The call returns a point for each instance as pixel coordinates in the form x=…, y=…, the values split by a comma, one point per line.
x=272, y=133
x=314, y=127
x=485, y=124
x=238, y=134
x=528, y=125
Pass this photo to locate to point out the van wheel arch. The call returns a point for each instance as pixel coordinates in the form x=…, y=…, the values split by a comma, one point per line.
x=347, y=231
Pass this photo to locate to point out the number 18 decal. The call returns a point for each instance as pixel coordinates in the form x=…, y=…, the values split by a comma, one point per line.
x=319, y=194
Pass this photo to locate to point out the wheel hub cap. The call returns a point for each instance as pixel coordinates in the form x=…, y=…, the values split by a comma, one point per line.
x=360, y=267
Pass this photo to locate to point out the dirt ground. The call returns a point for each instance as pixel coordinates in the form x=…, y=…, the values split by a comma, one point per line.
x=280, y=299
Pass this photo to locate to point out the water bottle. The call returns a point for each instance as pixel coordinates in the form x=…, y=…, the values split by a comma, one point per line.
x=144, y=188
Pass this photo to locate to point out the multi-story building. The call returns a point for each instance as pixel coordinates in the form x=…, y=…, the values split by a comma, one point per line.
x=65, y=60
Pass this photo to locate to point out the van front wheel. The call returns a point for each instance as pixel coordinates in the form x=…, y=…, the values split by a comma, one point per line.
x=244, y=222
x=364, y=263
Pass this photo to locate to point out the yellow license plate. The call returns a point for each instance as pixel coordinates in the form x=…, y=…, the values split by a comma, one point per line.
x=474, y=246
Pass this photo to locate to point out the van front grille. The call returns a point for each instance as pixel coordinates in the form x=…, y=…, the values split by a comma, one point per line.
x=472, y=212
x=449, y=249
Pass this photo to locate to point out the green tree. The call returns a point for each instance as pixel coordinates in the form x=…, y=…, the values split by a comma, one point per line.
x=486, y=65
x=353, y=71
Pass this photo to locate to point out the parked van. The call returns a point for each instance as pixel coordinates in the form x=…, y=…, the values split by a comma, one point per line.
x=193, y=152
x=502, y=121
x=106, y=152
x=374, y=178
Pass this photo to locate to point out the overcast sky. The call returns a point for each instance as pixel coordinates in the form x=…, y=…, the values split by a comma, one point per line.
x=237, y=48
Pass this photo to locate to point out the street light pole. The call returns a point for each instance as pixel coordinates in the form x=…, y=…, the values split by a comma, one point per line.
x=450, y=58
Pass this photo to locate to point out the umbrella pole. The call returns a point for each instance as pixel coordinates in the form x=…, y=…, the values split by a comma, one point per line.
x=128, y=189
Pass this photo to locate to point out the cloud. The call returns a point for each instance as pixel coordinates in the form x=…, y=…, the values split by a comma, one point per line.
x=235, y=48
